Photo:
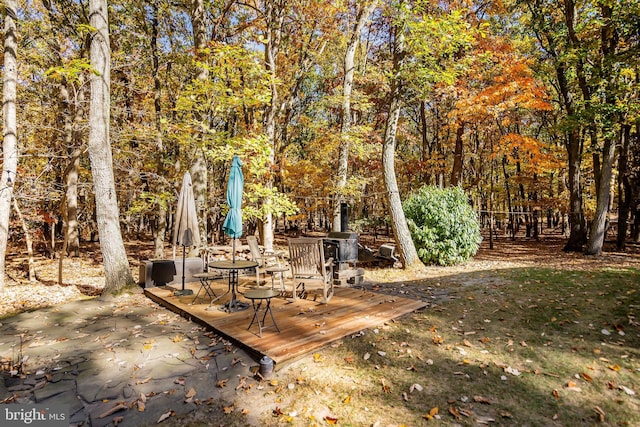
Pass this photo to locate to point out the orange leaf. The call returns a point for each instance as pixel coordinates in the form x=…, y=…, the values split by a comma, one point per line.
x=331, y=420
x=615, y=368
x=453, y=411
x=586, y=377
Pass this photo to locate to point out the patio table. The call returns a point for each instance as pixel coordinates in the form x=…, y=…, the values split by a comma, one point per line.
x=233, y=267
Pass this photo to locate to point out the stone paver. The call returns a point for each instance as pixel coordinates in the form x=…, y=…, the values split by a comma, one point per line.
x=130, y=354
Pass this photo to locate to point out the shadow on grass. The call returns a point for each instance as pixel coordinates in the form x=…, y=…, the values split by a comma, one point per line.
x=524, y=346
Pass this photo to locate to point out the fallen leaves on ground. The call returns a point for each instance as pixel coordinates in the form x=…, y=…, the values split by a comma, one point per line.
x=169, y=413
x=119, y=406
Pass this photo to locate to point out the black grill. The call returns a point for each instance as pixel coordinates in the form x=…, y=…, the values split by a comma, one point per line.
x=342, y=247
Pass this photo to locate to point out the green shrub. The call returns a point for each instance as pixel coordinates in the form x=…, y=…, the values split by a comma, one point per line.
x=444, y=227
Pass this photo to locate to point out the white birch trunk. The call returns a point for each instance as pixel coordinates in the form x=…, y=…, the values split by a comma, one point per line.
x=117, y=274
x=10, y=131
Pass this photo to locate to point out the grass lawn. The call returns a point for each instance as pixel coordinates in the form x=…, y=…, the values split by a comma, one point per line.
x=523, y=346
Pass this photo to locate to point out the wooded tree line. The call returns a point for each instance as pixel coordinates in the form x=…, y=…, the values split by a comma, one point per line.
x=530, y=106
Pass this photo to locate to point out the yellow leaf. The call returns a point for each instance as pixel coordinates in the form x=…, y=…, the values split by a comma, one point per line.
x=347, y=399
x=317, y=357
x=615, y=368
x=147, y=347
x=331, y=420
x=432, y=413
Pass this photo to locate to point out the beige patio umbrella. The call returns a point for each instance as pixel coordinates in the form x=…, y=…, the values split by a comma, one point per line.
x=186, y=231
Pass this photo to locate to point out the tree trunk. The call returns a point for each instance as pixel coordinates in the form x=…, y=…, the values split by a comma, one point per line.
x=198, y=170
x=511, y=217
x=275, y=21
x=10, y=140
x=28, y=241
x=577, y=225
x=69, y=208
x=608, y=43
x=117, y=274
x=406, y=248
x=424, y=151
x=573, y=141
x=347, y=86
x=456, y=173
x=160, y=221
x=199, y=176
x=624, y=189
x=599, y=224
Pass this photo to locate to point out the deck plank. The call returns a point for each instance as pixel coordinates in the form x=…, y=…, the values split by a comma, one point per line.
x=305, y=325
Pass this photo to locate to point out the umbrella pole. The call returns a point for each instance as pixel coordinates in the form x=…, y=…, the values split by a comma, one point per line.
x=184, y=250
x=233, y=251
x=183, y=291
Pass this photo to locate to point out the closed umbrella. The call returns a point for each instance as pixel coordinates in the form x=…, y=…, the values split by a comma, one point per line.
x=233, y=222
x=186, y=231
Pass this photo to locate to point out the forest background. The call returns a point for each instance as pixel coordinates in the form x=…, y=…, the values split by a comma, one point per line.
x=530, y=106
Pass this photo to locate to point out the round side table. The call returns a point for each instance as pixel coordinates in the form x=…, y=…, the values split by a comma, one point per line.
x=257, y=297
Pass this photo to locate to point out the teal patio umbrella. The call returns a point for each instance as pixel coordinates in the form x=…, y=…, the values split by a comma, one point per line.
x=233, y=222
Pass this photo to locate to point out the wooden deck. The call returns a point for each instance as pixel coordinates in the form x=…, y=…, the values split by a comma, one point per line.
x=305, y=325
